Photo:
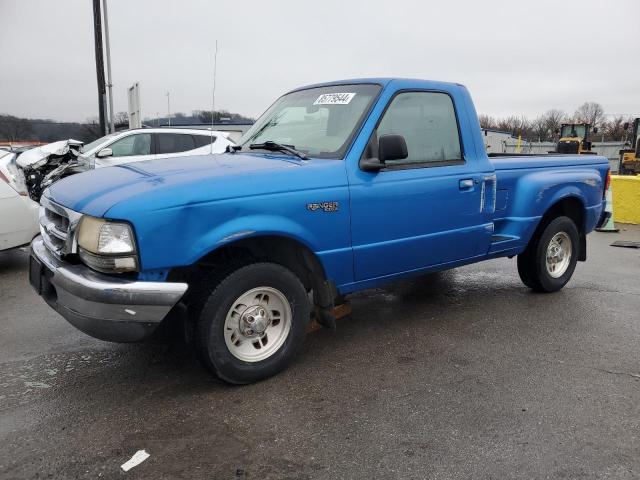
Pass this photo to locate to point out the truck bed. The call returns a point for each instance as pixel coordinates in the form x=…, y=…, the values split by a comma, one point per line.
x=527, y=185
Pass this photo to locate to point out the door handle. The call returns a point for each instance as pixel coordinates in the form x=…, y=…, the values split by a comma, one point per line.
x=466, y=184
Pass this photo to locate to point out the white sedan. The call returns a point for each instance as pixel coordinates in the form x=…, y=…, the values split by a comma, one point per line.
x=151, y=143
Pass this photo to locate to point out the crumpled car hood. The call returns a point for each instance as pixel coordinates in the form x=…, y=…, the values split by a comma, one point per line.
x=42, y=166
x=38, y=156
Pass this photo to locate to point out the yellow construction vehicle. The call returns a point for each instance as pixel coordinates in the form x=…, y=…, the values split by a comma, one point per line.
x=574, y=138
x=630, y=157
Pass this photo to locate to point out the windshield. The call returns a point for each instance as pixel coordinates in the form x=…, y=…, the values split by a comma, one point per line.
x=573, y=131
x=96, y=143
x=319, y=122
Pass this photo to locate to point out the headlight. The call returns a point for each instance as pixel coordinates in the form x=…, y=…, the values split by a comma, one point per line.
x=107, y=246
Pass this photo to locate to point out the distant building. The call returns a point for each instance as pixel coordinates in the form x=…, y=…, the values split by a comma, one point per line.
x=495, y=141
x=235, y=128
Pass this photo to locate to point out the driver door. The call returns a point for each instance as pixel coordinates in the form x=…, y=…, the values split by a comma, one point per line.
x=423, y=210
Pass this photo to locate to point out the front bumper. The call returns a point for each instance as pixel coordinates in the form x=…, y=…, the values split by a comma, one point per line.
x=103, y=306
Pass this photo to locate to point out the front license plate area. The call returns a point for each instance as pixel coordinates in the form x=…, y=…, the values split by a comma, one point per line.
x=35, y=274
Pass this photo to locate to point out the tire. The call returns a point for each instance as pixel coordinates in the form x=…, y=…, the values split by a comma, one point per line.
x=239, y=340
x=541, y=275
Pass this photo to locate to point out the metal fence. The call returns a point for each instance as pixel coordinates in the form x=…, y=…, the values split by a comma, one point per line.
x=611, y=150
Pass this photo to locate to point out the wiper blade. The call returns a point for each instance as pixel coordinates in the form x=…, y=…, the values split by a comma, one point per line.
x=278, y=147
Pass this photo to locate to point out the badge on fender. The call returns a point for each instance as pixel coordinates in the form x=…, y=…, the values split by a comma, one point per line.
x=325, y=206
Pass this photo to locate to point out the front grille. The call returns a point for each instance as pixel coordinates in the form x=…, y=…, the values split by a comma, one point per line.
x=61, y=221
x=57, y=226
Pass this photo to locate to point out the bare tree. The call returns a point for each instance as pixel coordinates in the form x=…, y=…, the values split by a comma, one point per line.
x=614, y=129
x=91, y=129
x=205, y=115
x=553, y=121
x=517, y=125
x=14, y=129
x=486, y=121
x=590, y=112
x=539, y=129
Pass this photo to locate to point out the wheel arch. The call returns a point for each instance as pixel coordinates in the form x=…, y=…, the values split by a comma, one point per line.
x=284, y=250
x=570, y=206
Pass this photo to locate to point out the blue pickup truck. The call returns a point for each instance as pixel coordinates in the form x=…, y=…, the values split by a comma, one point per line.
x=338, y=187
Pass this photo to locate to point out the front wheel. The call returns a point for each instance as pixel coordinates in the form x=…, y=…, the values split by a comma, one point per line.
x=252, y=323
x=550, y=258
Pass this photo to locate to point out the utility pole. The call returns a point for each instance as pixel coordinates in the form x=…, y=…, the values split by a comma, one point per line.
x=168, y=109
x=109, y=84
x=97, y=33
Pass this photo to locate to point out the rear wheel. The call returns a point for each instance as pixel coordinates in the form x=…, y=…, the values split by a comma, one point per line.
x=252, y=323
x=551, y=256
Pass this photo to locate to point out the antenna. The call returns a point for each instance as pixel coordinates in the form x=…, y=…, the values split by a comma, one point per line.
x=168, y=108
x=213, y=93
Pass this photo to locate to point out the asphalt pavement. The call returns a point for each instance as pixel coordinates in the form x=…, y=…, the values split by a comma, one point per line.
x=463, y=374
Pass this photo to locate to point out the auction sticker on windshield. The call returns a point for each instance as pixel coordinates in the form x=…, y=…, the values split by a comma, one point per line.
x=334, y=98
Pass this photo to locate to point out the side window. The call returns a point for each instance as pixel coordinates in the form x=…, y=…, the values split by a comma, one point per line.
x=202, y=140
x=175, y=142
x=427, y=121
x=137, y=144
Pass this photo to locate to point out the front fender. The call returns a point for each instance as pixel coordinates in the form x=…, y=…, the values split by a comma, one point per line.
x=250, y=226
x=178, y=237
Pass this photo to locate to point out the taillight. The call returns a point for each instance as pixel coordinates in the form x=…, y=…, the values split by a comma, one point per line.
x=607, y=183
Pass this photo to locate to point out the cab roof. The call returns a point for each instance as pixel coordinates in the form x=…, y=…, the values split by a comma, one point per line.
x=384, y=82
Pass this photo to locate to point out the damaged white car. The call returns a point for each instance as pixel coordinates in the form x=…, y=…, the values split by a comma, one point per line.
x=39, y=167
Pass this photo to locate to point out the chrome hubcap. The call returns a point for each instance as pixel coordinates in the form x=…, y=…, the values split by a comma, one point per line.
x=254, y=321
x=559, y=253
x=257, y=324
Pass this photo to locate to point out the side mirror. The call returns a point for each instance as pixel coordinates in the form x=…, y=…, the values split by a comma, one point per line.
x=371, y=165
x=392, y=147
x=105, y=152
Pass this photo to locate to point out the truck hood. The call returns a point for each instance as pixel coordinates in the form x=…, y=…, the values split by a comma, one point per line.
x=176, y=182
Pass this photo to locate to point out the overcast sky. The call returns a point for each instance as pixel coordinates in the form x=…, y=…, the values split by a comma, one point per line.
x=515, y=57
